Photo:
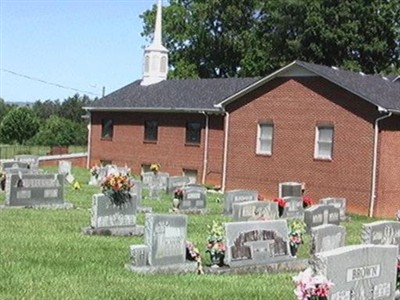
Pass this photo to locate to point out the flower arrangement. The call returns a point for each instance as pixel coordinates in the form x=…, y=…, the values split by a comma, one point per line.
x=178, y=194
x=311, y=287
x=193, y=254
x=155, y=168
x=398, y=274
x=117, y=187
x=216, y=247
x=94, y=171
x=296, y=231
x=307, y=201
x=281, y=205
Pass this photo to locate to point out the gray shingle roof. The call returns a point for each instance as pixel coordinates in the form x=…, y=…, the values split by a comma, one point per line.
x=188, y=94
x=204, y=94
x=373, y=88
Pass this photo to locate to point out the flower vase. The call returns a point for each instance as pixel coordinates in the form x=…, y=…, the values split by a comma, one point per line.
x=293, y=249
x=281, y=209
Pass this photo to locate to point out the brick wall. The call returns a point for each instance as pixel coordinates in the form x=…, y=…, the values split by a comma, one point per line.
x=128, y=146
x=296, y=105
x=388, y=183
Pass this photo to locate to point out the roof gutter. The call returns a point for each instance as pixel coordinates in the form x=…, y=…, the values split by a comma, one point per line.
x=375, y=159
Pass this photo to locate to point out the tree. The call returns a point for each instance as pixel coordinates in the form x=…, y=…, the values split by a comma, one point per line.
x=225, y=38
x=46, y=109
x=61, y=132
x=19, y=125
x=72, y=108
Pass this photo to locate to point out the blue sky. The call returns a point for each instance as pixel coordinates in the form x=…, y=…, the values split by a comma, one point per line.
x=83, y=44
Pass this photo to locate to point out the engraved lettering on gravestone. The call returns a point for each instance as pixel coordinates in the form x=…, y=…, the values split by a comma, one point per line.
x=248, y=211
x=199, y=203
x=169, y=240
x=334, y=216
x=242, y=198
x=51, y=193
x=317, y=218
x=41, y=183
x=24, y=194
x=388, y=236
x=382, y=290
x=294, y=205
x=193, y=196
x=342, y=295
x=185, y=204
x=360, y=273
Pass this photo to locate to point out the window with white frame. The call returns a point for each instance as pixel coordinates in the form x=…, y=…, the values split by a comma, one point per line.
x=323, y=141
x=265, y=134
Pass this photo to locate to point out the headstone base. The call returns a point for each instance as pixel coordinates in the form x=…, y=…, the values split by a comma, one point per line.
x=116, y=231
x=295, y=265
x=144, y=209
x=186, y=267
x=193, y=211
x=65, y=205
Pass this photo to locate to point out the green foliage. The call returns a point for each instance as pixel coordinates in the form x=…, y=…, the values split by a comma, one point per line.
x=60, y=132
x=19, y=125
x=4, y=109
x=225, y=38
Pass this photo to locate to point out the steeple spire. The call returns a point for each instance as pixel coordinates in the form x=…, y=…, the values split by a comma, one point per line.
x=155, y=67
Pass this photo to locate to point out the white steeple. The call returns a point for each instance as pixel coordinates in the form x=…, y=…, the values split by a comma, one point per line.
x=155, y=65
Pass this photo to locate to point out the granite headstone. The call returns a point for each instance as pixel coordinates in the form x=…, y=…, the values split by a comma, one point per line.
x=255, y=210
x=235, y=196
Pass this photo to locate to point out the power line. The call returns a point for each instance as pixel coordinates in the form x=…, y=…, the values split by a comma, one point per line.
x=47, y=82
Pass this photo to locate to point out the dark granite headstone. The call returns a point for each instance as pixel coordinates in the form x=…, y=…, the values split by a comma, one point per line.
x=35, y=190
x=256, y=242
x=359, y=271
x=235, y=196
x=321, y=214
x=338, y=203
x=175, y=182
x=255, y=210
x=14, y=164
x=165, y=235
x=193, y=198
x=290, y=189
x=381, y=233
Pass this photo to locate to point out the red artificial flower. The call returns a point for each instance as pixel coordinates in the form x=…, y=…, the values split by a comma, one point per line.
x=281, y=202
x=307, y=201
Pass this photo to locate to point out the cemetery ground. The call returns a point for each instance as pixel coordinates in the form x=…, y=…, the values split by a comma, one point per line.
x=44, y=255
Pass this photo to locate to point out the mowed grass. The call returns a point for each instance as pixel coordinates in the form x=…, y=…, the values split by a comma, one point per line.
x=43, y=255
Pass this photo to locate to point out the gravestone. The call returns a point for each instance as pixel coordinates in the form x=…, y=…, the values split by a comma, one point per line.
x=194, y=199
x=165, y=246
x=102, y=174
x=381, y=233
x=321, y=214
x=110, y=219
x=338, y=203
x=137, y=191
x=37, y=191
x=157, y=184
x=290, y=189
x=294, y=208
x=255, y=210
x=64, y=167
x=359, y=271
x=14, y=164
x=327, y=237
x=175, y=182
x=31, y=160
x=235, y=196
x=256, y=242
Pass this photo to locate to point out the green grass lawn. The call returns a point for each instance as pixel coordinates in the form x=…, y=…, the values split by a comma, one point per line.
x=43, y=255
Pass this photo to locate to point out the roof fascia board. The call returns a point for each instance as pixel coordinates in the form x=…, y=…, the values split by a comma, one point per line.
x=146, y=109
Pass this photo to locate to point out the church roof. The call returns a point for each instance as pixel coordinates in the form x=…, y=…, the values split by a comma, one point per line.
x=214, y=94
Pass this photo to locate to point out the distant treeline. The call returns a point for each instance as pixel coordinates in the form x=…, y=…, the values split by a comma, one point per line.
x=47, y=123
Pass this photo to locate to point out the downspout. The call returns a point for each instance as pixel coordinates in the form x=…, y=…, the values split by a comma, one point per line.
x=375, y=162
x=89, y=140
x=225, y=158
x=205, y=159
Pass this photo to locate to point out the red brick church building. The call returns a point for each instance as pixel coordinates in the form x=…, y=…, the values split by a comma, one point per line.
x=336, y=130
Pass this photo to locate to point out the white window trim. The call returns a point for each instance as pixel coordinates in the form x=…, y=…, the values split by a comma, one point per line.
x=317, y=155
x=258, y=149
